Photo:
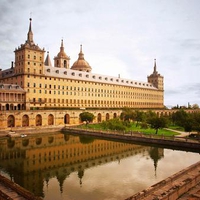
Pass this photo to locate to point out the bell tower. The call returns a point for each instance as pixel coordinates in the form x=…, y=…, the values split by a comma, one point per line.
x=29, y=57
x=156, y=79
x=62, y=60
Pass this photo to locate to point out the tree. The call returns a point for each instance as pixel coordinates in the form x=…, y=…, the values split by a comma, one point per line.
x=179, y=117
x=149, y=114
x=114, y=124
x=127, y=114
x=196, y=122
x=195, y=106
x=139, y=116
x=188, y=124
x=158, y=123
x=87, y=117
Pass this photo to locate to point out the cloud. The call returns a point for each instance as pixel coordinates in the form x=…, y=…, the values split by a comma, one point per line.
x=118, y=37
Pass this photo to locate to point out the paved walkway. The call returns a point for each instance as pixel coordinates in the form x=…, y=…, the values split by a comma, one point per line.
x=7, y=193
x=182, y=133
x=12, y=191
x=192, y=194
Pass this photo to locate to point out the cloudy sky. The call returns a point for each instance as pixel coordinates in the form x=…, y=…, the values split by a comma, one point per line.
x=118, y=37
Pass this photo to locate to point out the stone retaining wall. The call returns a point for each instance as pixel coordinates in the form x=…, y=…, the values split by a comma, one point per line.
x=18, y=189
x=162, y=141
x=172, y=187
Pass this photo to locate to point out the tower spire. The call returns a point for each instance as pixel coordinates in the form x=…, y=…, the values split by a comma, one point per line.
x=81, y=55
x=62, y=46
x=81, y=48
x=30, y=34
x=155, y=70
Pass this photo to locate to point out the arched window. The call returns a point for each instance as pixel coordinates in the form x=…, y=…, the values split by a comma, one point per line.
x=38, y=120
x=115, y=115
x=66, y=119
x=65, y=64
x=25, y=120
x=99, y=117
x=11, y=121
x=7, y=107
x=50, y=119
x=107, y=116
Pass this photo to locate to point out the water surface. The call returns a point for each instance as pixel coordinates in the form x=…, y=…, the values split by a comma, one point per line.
x=66, y=167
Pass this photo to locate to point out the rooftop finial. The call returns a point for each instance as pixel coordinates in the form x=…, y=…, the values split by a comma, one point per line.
x=62, y=46
x=81, y=48
x=81, y=55
x=155, y=71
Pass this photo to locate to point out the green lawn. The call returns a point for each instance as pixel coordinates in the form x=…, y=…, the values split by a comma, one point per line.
x=134, y=128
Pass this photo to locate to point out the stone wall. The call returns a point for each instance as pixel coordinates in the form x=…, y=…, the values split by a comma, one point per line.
x=172, y=187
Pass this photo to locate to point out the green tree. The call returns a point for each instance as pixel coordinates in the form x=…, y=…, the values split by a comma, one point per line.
x=138, y=116
x=148, y=115
x=114, y=124
x=157, y=123
x=87, y=117
x=179, y=117
x=188, y=123
x=127, y=114
x=196, y=122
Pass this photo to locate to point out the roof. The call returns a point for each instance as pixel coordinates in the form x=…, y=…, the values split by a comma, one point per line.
x=11, y=88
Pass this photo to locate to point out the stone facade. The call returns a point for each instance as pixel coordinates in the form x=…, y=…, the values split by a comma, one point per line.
x=47, y=91
x=48, y=86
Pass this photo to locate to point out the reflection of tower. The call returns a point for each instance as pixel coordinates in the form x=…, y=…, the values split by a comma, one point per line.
x=61, y=178
x=47, y=180
x=156, y=154
x=80, y=175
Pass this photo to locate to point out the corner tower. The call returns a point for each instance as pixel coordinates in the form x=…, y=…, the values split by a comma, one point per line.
x=62, y=60
x=156, y=79
x=29, y=57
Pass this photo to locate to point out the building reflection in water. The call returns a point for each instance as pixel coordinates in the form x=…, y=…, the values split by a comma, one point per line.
x=32, y=161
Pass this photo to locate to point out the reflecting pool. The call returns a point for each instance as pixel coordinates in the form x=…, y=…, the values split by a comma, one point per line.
x=65, y=167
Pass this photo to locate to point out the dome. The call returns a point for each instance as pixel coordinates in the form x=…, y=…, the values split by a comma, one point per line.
x=81, y=64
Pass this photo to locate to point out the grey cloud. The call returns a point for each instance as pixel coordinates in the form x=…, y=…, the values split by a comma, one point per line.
x=191, y=43
x=191, y=88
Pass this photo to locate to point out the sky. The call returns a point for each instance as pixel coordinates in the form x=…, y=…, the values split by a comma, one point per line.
x=118, y=37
